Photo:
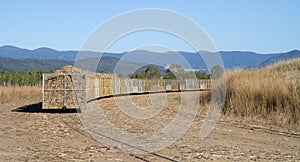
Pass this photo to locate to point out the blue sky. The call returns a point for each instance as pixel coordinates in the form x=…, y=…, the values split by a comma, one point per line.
x=263, y=26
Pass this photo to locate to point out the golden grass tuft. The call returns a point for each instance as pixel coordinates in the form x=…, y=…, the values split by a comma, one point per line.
x=20, y=93
x=271, y=93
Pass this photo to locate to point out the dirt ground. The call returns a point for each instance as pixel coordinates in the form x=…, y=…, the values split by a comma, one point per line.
x=29, y=134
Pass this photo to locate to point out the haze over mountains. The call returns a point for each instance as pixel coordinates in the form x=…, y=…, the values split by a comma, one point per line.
x=14, y=58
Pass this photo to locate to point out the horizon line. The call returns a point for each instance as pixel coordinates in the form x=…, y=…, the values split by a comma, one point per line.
x=126, y=51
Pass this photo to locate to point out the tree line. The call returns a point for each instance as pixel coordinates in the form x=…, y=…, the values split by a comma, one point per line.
x=33, y=77
x=172, y=72
x=30, y=77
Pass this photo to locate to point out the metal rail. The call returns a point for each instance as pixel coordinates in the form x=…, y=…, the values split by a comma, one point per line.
x=129, y=145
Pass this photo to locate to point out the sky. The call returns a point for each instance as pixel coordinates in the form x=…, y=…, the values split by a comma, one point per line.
x=264, y=26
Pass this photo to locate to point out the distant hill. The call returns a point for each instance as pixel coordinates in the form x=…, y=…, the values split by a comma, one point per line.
x=283, y=57
x=45, y=53
x=40, y=53
x=240, y=59
x=106, y=64
x=27, y=64
x=231, y=59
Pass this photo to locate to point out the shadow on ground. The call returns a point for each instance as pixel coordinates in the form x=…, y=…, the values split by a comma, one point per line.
x=37, y=108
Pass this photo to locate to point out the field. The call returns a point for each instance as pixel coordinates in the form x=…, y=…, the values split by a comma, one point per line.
x=260, y=122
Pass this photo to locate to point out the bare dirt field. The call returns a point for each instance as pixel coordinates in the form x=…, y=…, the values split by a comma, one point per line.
x=29, y=134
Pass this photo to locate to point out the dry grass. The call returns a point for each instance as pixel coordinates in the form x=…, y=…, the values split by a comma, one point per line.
x=23, y=93
x=271, y=94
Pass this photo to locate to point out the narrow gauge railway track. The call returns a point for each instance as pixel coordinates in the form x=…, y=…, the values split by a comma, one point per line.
x=264, y=129
x=70, y=122
x=73, y=123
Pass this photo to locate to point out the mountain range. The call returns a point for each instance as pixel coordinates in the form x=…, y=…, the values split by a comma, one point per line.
x=283, y=57
x=14, y=58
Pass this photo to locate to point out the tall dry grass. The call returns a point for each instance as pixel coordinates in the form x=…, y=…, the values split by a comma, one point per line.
x=22, y=93
x=271, y=93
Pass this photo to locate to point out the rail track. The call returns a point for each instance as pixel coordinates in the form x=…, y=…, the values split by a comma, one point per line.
x=74, y=124
x=70, y=122
x=62, y=91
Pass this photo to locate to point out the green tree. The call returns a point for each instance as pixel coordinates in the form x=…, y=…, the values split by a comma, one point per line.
x=169, y=75
x=202, y=75
x=151, y=72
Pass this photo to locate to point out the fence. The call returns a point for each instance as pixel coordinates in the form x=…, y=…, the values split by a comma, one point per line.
x=75, y=90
